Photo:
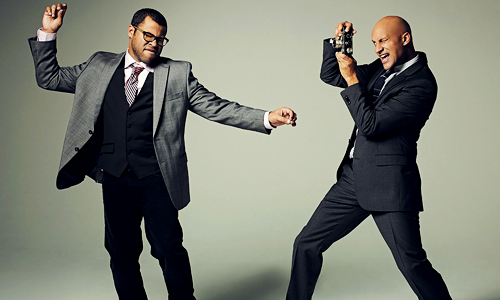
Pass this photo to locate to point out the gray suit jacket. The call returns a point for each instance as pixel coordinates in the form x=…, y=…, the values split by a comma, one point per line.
x=175, y=91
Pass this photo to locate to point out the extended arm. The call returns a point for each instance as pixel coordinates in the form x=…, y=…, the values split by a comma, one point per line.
x=210, y=106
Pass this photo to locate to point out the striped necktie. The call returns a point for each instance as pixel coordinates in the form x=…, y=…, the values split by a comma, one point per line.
x=379, y=84
x=131, y=84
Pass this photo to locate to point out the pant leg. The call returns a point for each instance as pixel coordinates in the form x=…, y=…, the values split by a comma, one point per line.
x=401, y=232
x=335, y=217
x=164, y=234
x=123, y=238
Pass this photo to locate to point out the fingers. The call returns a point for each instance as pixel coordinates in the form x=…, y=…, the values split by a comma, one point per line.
x=283, y=116
x=62, y=10
x=344, y=60
x=341, y=58
x=289, y=115
x=348, y=26
x=53, y=17
x=347, y=67
x=48, y=12
x=280, y=120
x=56, y=10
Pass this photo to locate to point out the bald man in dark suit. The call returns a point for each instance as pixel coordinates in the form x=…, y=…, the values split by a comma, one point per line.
x=389, y=100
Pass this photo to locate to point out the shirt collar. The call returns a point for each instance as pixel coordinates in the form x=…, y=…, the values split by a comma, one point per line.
x=130, y=60
x=400, y=68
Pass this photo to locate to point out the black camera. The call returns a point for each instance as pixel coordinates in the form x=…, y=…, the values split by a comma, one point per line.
x=343, y=43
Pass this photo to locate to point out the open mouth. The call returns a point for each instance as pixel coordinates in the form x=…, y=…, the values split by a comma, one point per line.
x=384, y=58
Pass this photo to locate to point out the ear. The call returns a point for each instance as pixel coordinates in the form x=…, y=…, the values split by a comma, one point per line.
x=130, y=31
x=406, y=38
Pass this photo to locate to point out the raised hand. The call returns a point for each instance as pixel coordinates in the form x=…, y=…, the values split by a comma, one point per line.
x=347, y=25
x=282, y=116
x=53, y=17
x=347, y=65
x=348, y=68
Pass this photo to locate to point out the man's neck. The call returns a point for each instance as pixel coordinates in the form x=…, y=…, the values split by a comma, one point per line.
x=129, y=59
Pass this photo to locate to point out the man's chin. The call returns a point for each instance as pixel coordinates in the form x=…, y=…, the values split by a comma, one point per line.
x=153, y=61
x=150, y=59
x=387, y=65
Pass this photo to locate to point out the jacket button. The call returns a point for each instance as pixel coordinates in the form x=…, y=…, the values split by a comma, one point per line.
x=77, y=149
x=91, y=132
x=128, y=126
x=346, y=98
x=128, y=151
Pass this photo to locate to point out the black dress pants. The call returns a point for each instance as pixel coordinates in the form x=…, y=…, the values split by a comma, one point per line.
x=336, y=216
x=127, y=200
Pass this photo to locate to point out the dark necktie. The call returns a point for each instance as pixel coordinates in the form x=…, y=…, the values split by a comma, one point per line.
x=379, y=84
x=131, y=84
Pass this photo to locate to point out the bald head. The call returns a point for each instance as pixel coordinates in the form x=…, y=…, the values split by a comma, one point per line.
x=393, y=24
x=393, y=41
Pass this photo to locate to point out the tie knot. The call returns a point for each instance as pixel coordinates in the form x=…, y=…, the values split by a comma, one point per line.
x=387, y=73
x=136, y=68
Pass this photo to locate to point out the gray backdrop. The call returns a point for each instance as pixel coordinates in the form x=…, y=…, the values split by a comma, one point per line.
x=251, y=193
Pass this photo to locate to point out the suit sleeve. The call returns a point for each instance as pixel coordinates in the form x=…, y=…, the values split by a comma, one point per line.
x=330, y=73
x=211, y=107
x=412, y=102
x=49, y=75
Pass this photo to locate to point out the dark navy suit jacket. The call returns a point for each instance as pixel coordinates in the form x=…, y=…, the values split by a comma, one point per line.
x=385, y=171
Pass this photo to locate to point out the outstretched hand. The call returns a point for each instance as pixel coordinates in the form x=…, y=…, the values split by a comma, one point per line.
x=53, y=17
x=282, y=116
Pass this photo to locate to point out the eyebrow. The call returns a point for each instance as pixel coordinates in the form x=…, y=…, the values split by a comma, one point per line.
x=380, y=40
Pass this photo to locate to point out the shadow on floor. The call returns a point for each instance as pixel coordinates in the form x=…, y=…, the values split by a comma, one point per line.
x=260, y=286
x=485, y=296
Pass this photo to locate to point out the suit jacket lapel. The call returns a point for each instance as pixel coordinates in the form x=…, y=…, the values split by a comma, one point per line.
x=393, y=82
x=402, y=76
x=159, y=87
x=107, y=72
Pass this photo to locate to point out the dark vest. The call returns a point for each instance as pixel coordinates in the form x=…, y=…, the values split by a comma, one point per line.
x=128, y=131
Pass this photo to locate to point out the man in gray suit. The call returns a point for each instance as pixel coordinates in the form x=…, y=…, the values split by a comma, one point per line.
x=126, y=131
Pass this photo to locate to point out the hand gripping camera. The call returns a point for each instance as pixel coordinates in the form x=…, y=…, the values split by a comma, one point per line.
x=343, y=43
